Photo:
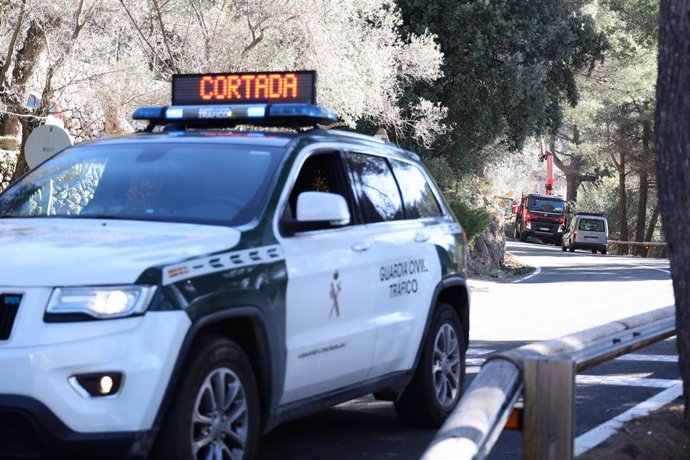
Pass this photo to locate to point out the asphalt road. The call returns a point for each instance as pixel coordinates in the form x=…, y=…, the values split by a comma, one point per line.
x=570, y=292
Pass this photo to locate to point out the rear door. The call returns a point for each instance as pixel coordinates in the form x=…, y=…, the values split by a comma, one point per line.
x=407, y=264
x=591, y=230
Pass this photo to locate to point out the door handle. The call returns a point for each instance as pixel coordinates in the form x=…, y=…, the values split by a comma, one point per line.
x=421, y=237
x=361, y=246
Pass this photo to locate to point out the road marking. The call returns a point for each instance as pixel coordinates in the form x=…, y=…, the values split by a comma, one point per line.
x=479, y=351
x=644, y=267
x=629, y=380
x=536, y=272
x=599, y=434
x=650, y=358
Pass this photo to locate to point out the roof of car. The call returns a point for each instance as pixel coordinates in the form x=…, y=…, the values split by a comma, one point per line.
x=590, y=214
x=260, y=138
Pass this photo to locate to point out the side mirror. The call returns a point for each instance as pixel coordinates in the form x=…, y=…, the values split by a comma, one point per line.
x=318, y=211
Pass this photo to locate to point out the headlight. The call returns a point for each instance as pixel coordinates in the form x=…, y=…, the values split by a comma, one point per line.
x=101, y=302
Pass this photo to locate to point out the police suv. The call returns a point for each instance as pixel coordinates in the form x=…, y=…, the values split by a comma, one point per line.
x=178, y=292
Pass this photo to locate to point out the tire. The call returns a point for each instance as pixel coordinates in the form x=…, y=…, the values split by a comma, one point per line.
x=439, y=378
x=603, y=251
x=594, y=251
x=216, y=365
x=523, y=237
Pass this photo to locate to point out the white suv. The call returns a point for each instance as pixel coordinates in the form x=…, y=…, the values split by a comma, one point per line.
x=179, y=293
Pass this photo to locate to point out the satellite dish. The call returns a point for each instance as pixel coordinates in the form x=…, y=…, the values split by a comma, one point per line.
x=44, y=142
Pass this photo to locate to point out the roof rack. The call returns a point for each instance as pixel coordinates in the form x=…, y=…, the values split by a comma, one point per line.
x=287, y=115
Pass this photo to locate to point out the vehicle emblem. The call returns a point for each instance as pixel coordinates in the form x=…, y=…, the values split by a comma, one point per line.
x=335, y=290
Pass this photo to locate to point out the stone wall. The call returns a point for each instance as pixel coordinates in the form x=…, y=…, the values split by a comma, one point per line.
x=8, y=160
x=487, y=251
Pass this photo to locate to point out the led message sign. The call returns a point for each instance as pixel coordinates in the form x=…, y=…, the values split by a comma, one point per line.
x=244, y=88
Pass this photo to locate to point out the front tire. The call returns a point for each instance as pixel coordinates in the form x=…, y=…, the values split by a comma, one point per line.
x=439, y=379
x=215, y=413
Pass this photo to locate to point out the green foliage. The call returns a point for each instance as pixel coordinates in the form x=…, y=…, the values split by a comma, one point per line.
x=474, y=219
x=508, y=66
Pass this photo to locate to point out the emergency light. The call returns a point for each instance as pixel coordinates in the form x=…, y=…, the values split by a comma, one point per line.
x=285, y=99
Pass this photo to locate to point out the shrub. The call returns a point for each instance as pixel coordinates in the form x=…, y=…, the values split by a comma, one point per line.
x=474, y=220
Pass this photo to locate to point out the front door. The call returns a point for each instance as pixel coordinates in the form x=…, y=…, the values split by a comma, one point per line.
x=329, y=327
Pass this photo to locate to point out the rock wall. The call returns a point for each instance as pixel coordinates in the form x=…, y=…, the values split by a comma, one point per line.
x=487, y=251
x=8, y=161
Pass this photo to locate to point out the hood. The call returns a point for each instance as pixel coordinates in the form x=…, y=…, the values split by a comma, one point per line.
x=79, y=252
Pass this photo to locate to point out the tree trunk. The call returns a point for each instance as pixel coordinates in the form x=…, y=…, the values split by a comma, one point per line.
x=25, y=64
x=572, y=184
x=673, y=164
x=642, y=211
x=623, y=207
x=652, y=223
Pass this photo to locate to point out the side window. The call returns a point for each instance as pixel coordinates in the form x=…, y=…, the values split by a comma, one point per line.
x=321, y=172
x=376, y=188
x=417, y=195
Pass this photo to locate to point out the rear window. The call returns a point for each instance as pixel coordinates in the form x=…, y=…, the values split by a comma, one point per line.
x=591, y=225
x=181, y=182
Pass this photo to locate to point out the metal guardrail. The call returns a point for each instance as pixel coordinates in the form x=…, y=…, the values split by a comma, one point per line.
x=656, y=249
x=544, y=372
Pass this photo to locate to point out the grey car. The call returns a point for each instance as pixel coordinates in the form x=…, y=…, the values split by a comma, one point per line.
x=586, y=231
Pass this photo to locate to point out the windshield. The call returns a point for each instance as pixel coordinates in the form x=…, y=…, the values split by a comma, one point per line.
x=546, y=205
x=182, y=182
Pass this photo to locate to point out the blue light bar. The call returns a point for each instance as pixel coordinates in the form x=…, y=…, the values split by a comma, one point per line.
x=302, y=110
x=148, y=113
x=228, y=115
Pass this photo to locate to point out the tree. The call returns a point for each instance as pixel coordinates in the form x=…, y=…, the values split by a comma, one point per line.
x=46, y=24
x=611, y=130
x=508, y=67
x=673, y=164
x=363, y=63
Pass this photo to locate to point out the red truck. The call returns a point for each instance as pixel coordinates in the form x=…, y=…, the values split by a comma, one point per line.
x=540, y=216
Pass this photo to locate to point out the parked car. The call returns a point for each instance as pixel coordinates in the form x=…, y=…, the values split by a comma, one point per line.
x=180, y=291
x=586, y=231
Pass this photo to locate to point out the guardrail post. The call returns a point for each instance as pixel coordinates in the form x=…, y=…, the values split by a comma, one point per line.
x=549, y=417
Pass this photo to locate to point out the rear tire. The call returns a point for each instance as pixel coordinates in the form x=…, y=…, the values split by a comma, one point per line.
x=603, y=251
x=439, y=378
x=215, y=412
x=594, y=251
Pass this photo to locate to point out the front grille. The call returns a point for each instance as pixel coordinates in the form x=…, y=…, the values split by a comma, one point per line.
x=539, y=225
x=9, y=304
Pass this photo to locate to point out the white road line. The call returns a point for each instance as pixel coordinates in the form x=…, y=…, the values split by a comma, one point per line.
x=479, y=351
x=536, y=272
x=644, y=267
x=650, y=358
x=599, y=434
x=631, y=380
